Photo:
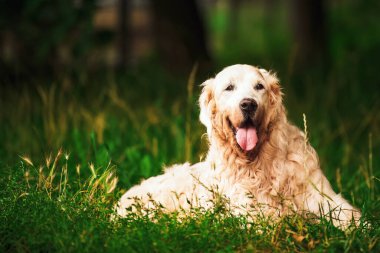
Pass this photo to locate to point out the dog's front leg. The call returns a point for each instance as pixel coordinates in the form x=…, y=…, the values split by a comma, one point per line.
x=321, y=200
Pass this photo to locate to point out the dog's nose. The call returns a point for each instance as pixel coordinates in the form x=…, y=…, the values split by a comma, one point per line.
x=248, y=105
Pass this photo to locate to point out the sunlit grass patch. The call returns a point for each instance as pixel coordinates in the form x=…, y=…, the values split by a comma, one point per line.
x=53, y=178
x=56, y=206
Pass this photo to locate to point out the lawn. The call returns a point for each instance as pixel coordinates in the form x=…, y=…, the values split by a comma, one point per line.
x=82, y=149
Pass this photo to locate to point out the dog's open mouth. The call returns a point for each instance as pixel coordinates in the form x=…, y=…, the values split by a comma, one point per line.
x=246, y=135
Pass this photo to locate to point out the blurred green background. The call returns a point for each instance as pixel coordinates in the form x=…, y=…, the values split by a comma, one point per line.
x=95, y=91
x=111, y=79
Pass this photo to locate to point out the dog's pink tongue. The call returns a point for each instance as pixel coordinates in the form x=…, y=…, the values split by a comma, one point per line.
x=246, y=138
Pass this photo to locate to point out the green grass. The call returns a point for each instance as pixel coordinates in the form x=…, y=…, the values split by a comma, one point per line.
x=47, y=208
x=54, y=199
x=62, y=200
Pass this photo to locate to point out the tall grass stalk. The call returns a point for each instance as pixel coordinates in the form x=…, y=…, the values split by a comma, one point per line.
x=189, y=110
x=100, y=184
x=371, y=179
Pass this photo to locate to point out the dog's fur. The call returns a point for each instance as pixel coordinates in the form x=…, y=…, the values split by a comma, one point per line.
x=279, y=176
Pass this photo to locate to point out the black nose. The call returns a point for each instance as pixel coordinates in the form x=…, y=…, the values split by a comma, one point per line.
x=248, y=105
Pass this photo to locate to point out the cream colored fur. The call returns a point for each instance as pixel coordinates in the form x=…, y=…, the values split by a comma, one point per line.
x=280, y=176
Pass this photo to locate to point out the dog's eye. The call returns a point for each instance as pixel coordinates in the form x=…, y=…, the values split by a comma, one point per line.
x=259, y=86
x=230, y=87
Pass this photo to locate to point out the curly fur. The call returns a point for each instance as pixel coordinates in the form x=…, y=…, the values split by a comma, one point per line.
x=281, y=175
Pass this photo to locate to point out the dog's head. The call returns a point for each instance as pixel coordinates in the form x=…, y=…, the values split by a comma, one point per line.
x=239, y=105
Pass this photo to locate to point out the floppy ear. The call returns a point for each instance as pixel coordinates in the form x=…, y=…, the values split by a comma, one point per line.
x=205, y=104
x=275, y=94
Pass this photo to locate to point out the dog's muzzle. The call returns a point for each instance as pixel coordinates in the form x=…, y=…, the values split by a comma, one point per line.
x=248, y=106
x=246, y=132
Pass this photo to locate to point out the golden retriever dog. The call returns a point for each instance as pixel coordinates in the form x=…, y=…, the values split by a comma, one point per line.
x=257, y=160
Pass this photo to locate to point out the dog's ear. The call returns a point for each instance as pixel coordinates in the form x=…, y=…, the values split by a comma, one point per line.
x=205, y=103
x=275, y=94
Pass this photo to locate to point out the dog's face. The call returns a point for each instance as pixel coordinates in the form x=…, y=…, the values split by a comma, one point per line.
x=239, y=103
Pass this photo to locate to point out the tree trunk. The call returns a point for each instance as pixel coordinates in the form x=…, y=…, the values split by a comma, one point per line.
x=123, y=45
x=179, y=34
x=309, y=28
